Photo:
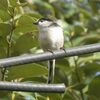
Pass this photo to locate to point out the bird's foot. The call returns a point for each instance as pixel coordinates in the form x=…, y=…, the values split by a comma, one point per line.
x=49, y=50
x=62, y=48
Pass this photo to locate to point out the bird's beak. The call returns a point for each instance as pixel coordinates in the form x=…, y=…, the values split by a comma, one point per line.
x=35, y=23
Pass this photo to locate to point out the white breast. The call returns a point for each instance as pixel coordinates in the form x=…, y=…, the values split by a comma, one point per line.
x=51, y=38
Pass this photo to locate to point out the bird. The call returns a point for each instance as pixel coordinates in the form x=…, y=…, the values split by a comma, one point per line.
x=50, y=38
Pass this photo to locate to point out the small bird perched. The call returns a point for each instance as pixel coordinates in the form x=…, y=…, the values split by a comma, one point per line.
x=50, y=38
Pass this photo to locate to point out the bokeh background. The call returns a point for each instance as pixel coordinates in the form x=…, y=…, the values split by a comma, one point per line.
x=80, y=20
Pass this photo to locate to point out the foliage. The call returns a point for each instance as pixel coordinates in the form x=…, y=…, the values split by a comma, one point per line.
x=80, y=20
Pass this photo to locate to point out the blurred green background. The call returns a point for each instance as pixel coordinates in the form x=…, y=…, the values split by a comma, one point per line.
x=80, y=20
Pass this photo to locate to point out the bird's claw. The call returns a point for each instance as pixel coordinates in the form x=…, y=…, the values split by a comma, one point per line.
x=62, y=48
x=50, y=51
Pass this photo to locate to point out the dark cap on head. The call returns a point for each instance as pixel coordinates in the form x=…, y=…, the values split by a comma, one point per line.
x=42, y=19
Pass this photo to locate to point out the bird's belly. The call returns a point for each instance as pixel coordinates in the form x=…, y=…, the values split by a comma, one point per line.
x=50, y=41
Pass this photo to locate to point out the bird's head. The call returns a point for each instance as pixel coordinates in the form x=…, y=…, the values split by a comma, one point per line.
x=44, y=22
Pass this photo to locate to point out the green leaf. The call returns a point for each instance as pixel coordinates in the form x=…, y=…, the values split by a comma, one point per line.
x=93, y=23
x=91, y=68
x=35, y=15
x=85, y=59
x=25, y=43
x=39, y=79
x=86, y=39
x=68, y=96
x=3, y=46
x=51, y=96
x=44, y=8
x=85, y=13
x=5, y=29
x=94, y=87
x=63, y=64
x=94, y=5
x=96, y=56
x=2, y=52
x=4, y=15
x=79, y=86
x=77, y=77
x=71, y=10
x=60, y=77
x=25, y=24
x=26, y=71
x=78, y=29
x=4, y=95
x=25, y=95
x=13, y=2
x=3, y=4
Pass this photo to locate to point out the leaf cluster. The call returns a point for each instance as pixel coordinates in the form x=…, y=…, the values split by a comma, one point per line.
x=80, y=20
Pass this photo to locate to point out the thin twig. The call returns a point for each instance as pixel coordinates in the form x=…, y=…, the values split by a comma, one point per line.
x=9, y=45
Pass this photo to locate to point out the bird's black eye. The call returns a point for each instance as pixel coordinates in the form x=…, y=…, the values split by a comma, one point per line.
x=41, y=21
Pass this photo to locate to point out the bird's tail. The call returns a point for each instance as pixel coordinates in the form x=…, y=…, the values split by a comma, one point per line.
x=51, y=69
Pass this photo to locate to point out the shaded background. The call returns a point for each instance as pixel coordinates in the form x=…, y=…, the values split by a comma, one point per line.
x=80, y=20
